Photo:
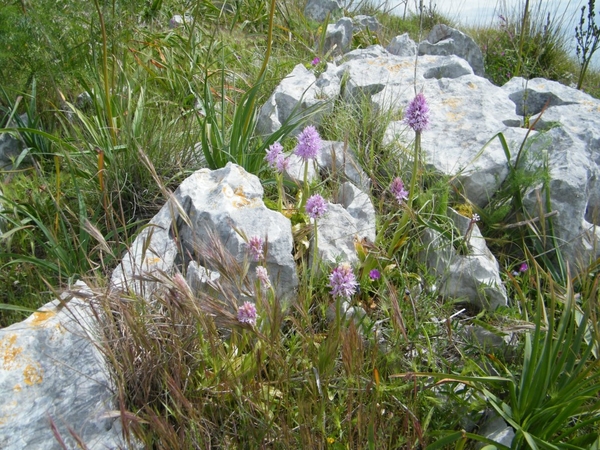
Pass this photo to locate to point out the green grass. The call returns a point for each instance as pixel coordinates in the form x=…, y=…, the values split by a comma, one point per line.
x=299, y=378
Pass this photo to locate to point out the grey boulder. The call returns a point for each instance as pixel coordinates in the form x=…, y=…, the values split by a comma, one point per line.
x=338, y=36
x=52, y=373
x=211, y=213
x=472, y=277
x=444, y=40
x=318, y=10
x=300, y=93
x=402, y=45
x=567, y=145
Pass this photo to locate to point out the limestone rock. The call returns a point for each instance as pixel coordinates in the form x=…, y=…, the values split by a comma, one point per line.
x=362, y=22
x=338, y=36
x=296, y=168
x=444, y=40
x=337, y=231
x=531, y=96
x=51, y=370
x=211, y=210
x=569, y=143
x=473, y=277
x=372, y=51
x=497, y=430
x=178, y=20
x=402, y=45
x=300, y=92
x=338, y=159
x=359, y=206
x=318, y=10
x=466, y=112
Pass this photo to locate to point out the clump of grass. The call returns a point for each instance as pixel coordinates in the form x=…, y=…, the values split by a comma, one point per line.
x=587, y=34
x=188, y=373
x=193, y=375
x=524, y=41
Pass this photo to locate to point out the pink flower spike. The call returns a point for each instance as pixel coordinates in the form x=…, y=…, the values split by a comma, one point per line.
x=342, y=281
x=255, y=248
x=316, y=61
x=309, y=142
x=397, y=189
x=316, y=206
x=263, y=276
x=274, y=153
x=282, y=163
x=247, y=313
x=416, y=115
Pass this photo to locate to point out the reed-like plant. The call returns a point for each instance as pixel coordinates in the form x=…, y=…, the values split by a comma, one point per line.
x=587, y=34
x=551, y=399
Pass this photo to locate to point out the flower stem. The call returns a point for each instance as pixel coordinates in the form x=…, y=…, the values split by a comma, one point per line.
x=279, y=177
x=315, y=260
x=305, y=187
x=415, y=172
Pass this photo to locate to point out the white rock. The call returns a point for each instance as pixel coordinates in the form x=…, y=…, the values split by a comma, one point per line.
x=444, y=40
x=362, y=22
x=221, y=206
x=338, y=36
x=318, y=10
x=52, y=369
x=337, y=231
x=337, y=158
x=473, y=278
x=569, y=144
x=298, y=92
x=402, y=45
x=359, y=206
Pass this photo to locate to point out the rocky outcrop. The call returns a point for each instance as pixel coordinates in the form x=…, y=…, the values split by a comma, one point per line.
x=298, y=93
x=55, y=382
x=468, y=112
x=472, y=276
x=444, y=40
x=568, y=144
x=211, y=211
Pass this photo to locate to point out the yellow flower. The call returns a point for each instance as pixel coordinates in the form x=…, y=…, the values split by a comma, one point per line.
x=330, y=440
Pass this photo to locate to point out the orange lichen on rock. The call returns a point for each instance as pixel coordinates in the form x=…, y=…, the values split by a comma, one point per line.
x=39, y=317
x=151, y=260
x=9, y=352
x=238, y=197
x=32, y=374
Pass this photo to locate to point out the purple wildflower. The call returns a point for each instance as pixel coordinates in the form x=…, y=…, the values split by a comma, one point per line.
x=309, y=142
x=247, y=313
x=342, y=281
x=255, y=248
x=316, y=206
x=523, y=267
x=282, y=163
x=416, y=115
x=397, y=189
x=316, y=61
x=374, y=274
x=274, y=153
x=263, y=276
